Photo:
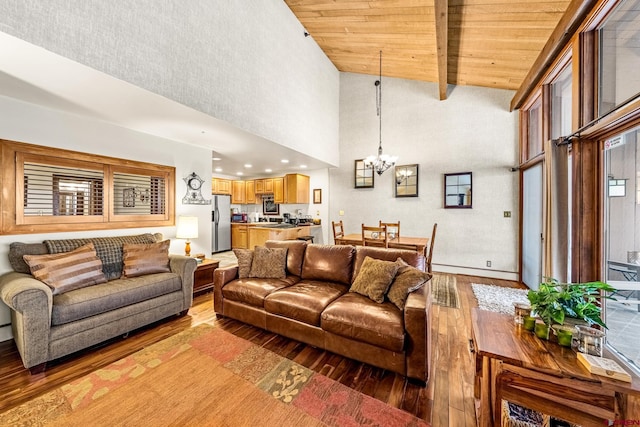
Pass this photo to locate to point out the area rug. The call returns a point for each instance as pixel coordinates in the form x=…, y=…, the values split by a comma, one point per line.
x=498, y=298
x=206, y=376
x=444, y=290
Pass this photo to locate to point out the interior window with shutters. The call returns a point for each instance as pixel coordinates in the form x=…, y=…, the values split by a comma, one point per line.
x=54, y=187
x=136, y=194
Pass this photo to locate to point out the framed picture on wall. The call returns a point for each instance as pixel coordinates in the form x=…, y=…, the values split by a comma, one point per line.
x=269, y=207
x=363, y=175
x=317, y=196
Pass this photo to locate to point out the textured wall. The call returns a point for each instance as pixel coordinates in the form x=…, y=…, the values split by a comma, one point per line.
x=472, y=131
x=246, y=62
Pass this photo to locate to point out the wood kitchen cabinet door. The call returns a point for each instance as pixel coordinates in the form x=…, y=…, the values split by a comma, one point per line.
x=250, y=192
x=238, y=192
x=278, y=190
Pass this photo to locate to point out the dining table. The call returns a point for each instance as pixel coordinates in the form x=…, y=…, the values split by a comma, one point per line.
x=420, y=242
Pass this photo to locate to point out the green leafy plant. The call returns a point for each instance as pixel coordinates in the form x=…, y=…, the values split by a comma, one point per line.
x=554, y=301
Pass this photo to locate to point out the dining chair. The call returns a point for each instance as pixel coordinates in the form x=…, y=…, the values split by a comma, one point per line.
x=430, y=255
x=393, y=228
x=375, y=236
x=338, y=232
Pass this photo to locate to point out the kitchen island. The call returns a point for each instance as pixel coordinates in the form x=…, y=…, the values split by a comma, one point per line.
x=250, y=235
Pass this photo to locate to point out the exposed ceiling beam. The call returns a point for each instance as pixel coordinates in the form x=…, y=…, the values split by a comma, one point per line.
x=442, y=28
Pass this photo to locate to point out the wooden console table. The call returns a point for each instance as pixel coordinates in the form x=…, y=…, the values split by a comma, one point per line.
x=514, y=365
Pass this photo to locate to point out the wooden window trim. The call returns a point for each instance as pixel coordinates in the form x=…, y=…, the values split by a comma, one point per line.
x=12, y=221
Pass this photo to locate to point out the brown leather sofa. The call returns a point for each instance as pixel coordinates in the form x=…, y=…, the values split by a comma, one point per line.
x=313, y=305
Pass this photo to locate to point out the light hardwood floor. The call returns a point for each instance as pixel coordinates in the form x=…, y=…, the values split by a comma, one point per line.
x=447, y=400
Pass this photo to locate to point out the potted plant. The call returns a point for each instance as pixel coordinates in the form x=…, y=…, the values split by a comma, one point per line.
x=555, y=302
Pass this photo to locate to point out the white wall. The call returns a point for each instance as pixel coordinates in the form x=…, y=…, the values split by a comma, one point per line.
x=29, y=123
x=472, y=131
x=246, y=62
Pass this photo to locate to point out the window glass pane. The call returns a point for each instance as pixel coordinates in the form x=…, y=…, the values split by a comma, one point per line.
x=534, y=135
x=138, y=194
x=561, y=104
x=619, y=56
x=61, y=191
x=622, y=243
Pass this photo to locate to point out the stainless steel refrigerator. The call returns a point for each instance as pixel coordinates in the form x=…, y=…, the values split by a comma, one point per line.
x=221, y=227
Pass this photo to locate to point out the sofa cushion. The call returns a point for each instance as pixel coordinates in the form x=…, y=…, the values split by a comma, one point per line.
x=269, y=263
x=331, y=263
x=407, y=280
x=295, y=253
x=245, y=258
x=412, y=258
x=374, y=278
x=253, y=291
x=357, y=317
x=109, y=249
x=86, y=302
x=304, y=301
x=67, y=271
x=18, y=250
x=141, y=259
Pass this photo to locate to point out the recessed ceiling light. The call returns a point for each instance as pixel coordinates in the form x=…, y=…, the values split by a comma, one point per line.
x=218, y=169
x=239, y=173
x=268, y=170
x=284, y=161
x=303, y=166
x=217, y=159
x=248, y=165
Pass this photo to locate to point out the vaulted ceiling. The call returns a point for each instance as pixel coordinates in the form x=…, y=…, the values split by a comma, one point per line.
x=490, y=43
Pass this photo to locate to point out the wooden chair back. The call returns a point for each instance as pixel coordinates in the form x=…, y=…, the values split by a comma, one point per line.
x=375, y=236
x=393, y=228
x=338, y=232
x=429, y=256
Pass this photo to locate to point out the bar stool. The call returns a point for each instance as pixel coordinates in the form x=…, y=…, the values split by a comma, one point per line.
x=307, y=238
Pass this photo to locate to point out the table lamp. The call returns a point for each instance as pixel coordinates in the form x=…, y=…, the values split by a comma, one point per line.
x=187, y=229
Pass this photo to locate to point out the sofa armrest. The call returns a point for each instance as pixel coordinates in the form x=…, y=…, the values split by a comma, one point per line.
x=417, y=330
x=221, y=277
x=31, y=302
x=184, y=267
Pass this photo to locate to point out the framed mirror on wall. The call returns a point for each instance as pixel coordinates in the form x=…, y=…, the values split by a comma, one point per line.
x=457, y=190
x=363, y=175
x=406, y=181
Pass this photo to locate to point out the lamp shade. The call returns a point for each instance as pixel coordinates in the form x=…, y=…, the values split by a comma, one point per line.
x=187, y=227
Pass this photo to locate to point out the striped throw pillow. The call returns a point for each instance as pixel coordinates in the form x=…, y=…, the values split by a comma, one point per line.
x=67, y=271
x=141, y=259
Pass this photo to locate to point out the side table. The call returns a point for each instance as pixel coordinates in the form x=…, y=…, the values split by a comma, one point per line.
x=203, y=276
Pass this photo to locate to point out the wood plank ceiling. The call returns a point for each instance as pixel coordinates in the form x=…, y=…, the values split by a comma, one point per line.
x=490, y=43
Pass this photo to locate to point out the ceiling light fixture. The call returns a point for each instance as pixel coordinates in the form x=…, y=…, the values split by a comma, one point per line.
x=381, y=162
x=284, y=161
x=268, y=170
x=248, y=165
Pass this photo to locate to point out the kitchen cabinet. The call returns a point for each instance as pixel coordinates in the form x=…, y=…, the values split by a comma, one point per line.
x=239, y=236
x=296, y=188
x=220, y=186
x=250, y=192
x=278, y=190
x=238, y=192
x=264, y=186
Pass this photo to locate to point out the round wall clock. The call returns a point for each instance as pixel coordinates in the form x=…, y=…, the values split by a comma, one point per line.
x=194, y=191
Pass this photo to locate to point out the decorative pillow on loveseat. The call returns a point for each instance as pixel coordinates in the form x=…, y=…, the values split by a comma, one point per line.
x=407, y=280
x=245, y=258
x=149, y=258
x=67, y=271
x=374, y=278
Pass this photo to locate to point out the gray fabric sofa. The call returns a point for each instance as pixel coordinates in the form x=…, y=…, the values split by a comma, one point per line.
x=47, y=326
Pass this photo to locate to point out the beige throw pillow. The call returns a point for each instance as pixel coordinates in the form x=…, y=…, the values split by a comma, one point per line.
x=141, y=259
x=245, y=258
x=67, y=271
x=407, y=280
x=269, y=263
x=374, y=278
